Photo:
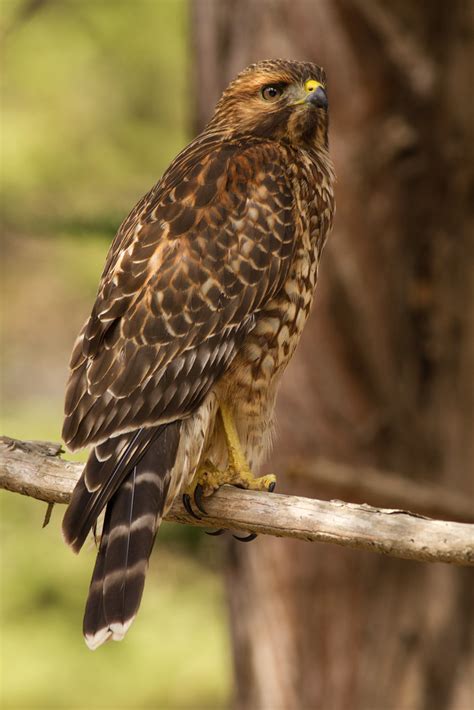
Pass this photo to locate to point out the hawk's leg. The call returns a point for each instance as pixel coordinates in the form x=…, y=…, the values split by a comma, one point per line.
x=209, y=478
x=238, y=472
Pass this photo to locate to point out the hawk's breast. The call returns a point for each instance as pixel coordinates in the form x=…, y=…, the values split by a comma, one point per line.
x=250, y=386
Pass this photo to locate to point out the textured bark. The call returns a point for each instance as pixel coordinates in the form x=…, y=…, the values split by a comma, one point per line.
x=35, y=469
x=383, y=376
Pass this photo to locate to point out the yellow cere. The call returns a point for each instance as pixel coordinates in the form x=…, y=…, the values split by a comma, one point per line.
x=311, y=85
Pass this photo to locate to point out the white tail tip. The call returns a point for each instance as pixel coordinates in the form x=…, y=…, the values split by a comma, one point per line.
x=115, y=631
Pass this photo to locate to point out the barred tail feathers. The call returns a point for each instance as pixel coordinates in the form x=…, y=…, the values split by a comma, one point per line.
x=132, y=518
x=108, y=465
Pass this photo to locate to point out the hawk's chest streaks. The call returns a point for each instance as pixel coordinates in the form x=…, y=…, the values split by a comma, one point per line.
x=279, y=325
x=250, y=386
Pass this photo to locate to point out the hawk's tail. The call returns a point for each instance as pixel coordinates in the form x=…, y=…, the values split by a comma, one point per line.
x=132, y=518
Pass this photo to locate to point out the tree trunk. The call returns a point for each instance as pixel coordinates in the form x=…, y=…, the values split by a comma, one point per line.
x=383, y=375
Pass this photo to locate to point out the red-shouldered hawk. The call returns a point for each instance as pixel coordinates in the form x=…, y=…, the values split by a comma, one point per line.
x=204, y=295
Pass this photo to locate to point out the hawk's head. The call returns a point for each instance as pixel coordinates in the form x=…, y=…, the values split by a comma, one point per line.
x=279, y=100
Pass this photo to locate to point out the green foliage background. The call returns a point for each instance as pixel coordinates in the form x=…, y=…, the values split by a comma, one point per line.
x=95, y=102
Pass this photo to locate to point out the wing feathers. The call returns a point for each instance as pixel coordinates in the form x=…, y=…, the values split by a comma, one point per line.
x=188, y=270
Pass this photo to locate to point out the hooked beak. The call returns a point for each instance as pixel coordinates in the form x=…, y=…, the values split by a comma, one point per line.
x=318, y=98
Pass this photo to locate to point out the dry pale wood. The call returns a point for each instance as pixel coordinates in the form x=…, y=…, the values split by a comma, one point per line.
x=36, y=469
x=370, y=485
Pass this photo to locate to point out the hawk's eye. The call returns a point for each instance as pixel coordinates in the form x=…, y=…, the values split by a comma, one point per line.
x=272, y=92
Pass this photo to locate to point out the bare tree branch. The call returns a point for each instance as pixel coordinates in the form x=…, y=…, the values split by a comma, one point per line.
x=376, y=487
x=36, y=469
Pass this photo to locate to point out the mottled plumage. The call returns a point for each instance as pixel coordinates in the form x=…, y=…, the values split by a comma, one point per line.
x=204, y=295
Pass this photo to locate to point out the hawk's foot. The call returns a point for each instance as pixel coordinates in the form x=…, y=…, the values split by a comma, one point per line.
x=244, y=478
x=208, y=479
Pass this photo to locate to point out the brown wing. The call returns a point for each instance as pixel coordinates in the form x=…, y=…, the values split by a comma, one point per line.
x=185, y=276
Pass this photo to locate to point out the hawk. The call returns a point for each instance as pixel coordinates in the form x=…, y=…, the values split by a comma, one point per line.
x=205, y=292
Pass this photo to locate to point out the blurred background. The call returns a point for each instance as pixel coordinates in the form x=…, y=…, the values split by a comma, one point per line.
x=97, y=98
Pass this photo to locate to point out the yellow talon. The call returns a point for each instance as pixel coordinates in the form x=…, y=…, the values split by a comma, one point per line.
x=209, y=478
x=238, y=471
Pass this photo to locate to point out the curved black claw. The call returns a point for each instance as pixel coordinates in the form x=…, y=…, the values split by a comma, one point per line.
x=188, y=506
x=247, y=538
x=271, y=487
x=221, y=531
x=198, y=491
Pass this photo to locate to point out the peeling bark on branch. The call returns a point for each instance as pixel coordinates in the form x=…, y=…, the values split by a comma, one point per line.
x=36, y=469
x=366, y=484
